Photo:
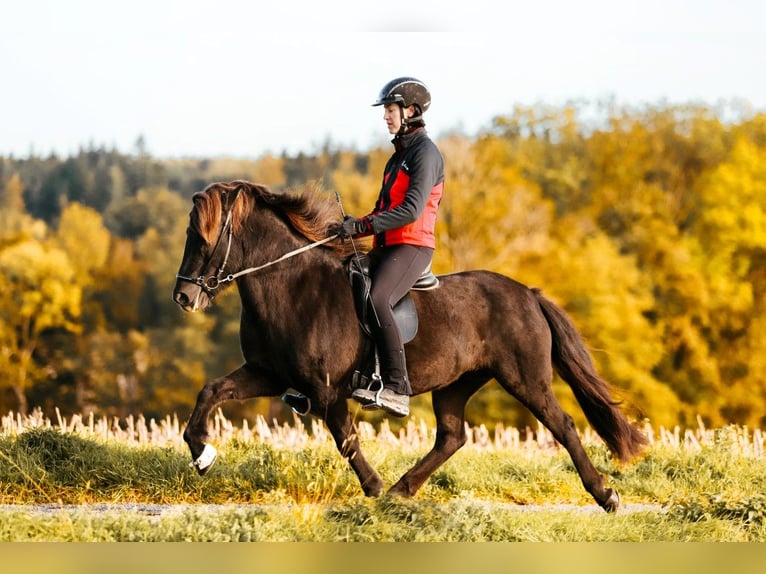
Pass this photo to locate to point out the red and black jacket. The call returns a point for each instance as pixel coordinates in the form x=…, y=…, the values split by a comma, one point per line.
x=413, y=180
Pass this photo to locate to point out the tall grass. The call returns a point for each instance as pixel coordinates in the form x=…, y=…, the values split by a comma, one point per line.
x=137, y=431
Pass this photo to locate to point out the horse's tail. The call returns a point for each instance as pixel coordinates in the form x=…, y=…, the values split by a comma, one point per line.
x=574, y=364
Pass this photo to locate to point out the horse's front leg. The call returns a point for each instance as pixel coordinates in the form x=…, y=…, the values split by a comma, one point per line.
x=343, y=430
x=244, y=383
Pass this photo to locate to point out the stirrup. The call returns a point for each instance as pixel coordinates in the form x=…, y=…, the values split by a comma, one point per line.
x=375, y=378
x=290, y=399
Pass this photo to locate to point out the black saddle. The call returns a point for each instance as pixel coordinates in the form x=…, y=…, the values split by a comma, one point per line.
x=405, y=312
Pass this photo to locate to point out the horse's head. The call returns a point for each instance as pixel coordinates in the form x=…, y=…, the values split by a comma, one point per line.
x=222, y=235
x=208, y=250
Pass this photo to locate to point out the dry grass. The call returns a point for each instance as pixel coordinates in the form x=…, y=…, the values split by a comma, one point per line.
x=416, y=435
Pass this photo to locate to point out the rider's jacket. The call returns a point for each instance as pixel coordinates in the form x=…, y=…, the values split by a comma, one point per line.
x=405, y=211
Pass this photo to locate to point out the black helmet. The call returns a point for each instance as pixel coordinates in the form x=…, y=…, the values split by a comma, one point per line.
x=405, y=91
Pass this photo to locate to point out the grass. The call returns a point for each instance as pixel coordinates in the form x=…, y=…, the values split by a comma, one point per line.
x=286, y=483
x=381, y=520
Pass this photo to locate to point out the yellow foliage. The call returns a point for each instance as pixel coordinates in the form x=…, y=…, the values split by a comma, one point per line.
x=83, y=236
x=40, y=293
x=41, y=290
x=648, y=226
x=12, y=194
x=489, y=215
x=119, y=287
x=268, y=171
x=733, y=210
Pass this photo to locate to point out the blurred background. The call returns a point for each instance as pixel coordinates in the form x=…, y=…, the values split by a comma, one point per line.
x=614, y=156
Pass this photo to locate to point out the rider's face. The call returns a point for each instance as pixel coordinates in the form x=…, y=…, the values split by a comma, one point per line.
x=392, y=115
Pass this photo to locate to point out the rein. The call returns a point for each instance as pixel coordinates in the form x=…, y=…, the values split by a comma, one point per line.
x=215, y=281
x=287, y=255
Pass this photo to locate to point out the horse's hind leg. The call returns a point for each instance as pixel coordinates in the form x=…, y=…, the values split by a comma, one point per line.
x=540, y=400
x=449, y=408
x=244, y=383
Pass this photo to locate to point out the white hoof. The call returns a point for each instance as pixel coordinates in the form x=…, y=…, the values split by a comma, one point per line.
x=206, y=459
x=613, y=502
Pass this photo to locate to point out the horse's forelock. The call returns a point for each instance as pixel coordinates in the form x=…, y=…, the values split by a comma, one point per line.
x=206, y=215
x=210, y=205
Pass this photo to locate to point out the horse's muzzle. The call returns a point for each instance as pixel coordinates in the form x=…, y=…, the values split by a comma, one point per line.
x=182, y=299
x=190, y=297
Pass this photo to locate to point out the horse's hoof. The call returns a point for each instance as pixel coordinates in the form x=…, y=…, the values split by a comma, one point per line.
x=612, y=502
x=205, y=460
x=373, y=490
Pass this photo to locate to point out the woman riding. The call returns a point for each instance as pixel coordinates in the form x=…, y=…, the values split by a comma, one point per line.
x=402, y=223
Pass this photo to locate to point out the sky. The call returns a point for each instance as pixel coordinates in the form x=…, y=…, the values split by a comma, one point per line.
x=244, y=78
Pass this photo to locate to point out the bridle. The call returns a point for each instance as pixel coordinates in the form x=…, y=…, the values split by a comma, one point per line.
x=213, y=282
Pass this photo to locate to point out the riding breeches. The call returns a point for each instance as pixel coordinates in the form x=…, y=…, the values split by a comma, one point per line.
x=394, y=270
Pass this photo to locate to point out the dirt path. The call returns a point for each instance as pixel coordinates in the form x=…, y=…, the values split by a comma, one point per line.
x=160, y=510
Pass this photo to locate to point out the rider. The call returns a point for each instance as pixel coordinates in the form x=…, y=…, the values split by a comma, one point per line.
x=402, y=223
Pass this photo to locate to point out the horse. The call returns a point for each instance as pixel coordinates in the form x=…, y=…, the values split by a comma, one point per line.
x=299, y=331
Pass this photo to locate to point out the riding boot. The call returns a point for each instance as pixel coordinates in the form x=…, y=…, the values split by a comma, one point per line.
x=393, y=395
x=394, y=367
x=393, y=364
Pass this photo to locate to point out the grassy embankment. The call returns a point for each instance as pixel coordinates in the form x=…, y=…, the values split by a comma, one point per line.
x=289, y=483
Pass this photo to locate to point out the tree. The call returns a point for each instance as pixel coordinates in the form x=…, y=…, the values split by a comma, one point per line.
x=608, y=297
x=490, y=213
x=12, y=195
x=82, y=235
x=730, y=250
x=41, y=293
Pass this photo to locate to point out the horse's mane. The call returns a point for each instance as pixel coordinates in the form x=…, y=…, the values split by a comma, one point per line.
x=310, y=213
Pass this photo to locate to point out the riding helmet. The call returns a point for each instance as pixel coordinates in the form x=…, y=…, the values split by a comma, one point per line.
x=405, y=91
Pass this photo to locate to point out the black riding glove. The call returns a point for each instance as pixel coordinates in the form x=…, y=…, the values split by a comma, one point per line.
x=347, y=227
x=352, y=227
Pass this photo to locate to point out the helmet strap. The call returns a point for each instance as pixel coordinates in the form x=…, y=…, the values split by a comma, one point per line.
x=408, y=122
x=404, y=121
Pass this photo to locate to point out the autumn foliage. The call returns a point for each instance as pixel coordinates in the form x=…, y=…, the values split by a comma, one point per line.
x=647, y=225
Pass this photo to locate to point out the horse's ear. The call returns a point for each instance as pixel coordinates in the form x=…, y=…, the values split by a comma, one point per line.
x=229, y=196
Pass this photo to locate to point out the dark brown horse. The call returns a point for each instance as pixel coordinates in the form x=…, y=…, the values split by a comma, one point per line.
x=299, y=331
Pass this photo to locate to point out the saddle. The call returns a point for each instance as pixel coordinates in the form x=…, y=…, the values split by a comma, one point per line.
x=405, y=315
x=405, y=312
